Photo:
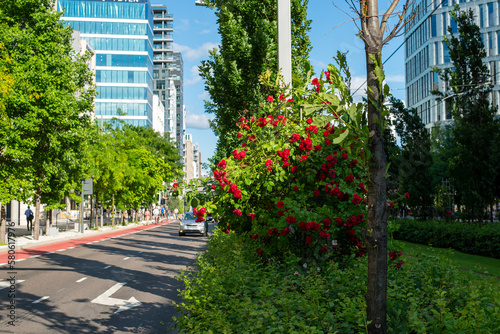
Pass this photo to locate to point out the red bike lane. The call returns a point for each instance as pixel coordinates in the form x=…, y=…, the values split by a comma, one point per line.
x=35, y=250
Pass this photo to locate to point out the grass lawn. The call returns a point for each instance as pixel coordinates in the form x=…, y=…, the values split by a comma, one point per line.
x=476, y=263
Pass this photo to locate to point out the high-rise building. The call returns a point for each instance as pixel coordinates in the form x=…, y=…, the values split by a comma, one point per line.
x=167, y=73
x=121, y=34
x=425, y=48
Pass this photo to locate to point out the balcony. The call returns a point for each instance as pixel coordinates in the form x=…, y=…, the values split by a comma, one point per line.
x=163, y=15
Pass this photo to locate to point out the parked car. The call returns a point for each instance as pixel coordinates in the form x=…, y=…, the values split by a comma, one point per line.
x=188, y=224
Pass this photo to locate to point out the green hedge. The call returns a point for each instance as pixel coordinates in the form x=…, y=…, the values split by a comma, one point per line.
x=231, y=291
x=471, y=238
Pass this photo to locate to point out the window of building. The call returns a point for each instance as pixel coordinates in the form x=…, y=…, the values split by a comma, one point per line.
x=493, y=72
x=491, y=15
x=445, y=3
x=491, y=50
x=453, y=25
x=433, y=26
x=436, y=53
x=481, y=16
x=446, y=53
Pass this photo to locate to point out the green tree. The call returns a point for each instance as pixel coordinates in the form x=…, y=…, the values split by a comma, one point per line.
x=248, y=48
x=50, y=104
x=415, y=159
x=472, y=169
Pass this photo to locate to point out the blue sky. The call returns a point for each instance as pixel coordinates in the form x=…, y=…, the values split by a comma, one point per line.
x=195, y=32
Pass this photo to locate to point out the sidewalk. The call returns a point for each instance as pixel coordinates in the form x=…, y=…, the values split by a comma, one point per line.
x=24, y=238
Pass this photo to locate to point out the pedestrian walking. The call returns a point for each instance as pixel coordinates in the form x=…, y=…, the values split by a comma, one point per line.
x=156, y=212
x=29, y=218
x=147, y=214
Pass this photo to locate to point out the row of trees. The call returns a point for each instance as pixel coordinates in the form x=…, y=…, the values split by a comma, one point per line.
x=463, y=155
x=48, y=140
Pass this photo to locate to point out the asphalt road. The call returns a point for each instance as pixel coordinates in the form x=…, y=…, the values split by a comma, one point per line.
x=121, y=285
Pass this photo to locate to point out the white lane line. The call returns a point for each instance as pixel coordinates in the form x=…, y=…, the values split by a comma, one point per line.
x=7, y=284
x=81, y=279
x=71, y=247
x=36, y=255
x=41, y=299
x=107, y=267
x=60, y=250
x=127, y=258
x=141, y=252
x=20, y=260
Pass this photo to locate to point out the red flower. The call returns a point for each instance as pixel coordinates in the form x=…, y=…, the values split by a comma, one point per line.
x=305, y=157
x=324, y=235
x=214, y=186
x=251, y=215
x=222, y=164
x=317, y=148
x=200, y=219
x=202, y=211
x=349, y=178
x=295, y=188
x=344, y=156
x=291, y=220
x=270, y=99
x=175, y=185
x=239, y=135
x=327, y=222
x=259, y=251
x=237, y=212
x=309, y=239
x=316, y=192
x=407, y=195
x=356, y=199
x=254, y=236
x=309, y=121
x=280, y=204
x=286, y=231
x=294, y=169
x=303, y=226
x=289, y=100
x=324, y=249
x=326, y=133
x=327, y=74
x=315, y=82
x=327, y=141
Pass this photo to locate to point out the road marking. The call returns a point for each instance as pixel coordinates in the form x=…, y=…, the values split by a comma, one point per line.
x=141, y=252
x=36, y=255
x=6, y=284
x=20, y=260
x=41, y=299
x=71, y=247
x=153, y=246
x=106, y=299
x=107, y=267
x=127, y=258
x=81, y=279
x=60, y=250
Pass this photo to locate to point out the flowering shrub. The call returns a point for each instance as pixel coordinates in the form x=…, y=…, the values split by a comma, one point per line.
x=298, y=185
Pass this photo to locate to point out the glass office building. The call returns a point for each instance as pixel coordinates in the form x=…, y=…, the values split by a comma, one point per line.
x=425, y=48
x=120, y=32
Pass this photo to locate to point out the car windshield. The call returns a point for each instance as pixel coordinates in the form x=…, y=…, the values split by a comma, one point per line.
x=189, y=216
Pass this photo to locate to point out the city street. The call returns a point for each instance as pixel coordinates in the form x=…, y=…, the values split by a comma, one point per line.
x=125, y=284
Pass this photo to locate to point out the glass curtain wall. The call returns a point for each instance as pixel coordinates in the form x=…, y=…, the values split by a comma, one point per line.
x=121, y=34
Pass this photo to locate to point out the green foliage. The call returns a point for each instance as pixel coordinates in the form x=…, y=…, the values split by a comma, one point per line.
x=248, y=48
x=472, y=167
x=131, y=164
x=414, y=160
x=232, y=291
x=471, y=238
x=298, y=186
x=45, y=117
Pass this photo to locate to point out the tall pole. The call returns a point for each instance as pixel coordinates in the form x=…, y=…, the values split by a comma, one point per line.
x=285, y=41
x=81, y=213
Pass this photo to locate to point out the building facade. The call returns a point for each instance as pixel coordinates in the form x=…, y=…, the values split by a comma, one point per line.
x=168, y=74
x=121, y=34
x=425, y=48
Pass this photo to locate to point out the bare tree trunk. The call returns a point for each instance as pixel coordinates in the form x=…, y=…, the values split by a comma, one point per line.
x=48, y=220
x=375, y=233
x=3, y=222
x=36, y=232
x=114, y=210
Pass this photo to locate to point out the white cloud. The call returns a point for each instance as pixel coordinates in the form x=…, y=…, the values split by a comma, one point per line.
x=205, y=31
x=184, y=25
x=191, y=54
x=204, y=96
x=197, y=121
x=194, y=77
x=319, y=65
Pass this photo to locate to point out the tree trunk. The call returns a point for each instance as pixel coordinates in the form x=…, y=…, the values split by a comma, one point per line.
x=48, y=220
x=36, y=232
x=91, y=210
x=375, y=233
x=114, y=210
x=3, y=222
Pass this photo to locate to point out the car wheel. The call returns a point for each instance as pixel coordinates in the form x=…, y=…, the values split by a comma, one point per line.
x=181, y=234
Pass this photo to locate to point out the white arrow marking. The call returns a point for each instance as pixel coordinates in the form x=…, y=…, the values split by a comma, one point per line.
x=105, y=299
x=81, y=279
x=41, y=299
x=6, y=284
